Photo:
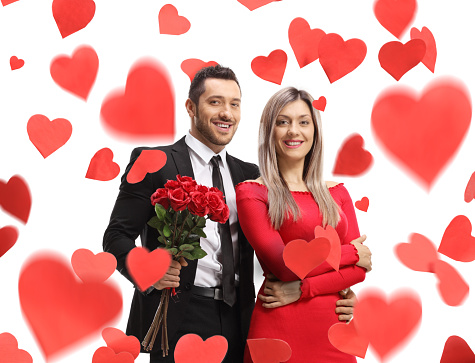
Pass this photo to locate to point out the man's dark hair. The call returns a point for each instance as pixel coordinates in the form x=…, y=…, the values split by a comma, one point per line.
x=197, y=87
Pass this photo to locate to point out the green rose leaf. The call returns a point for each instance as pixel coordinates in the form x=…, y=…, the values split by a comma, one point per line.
x=198, y=253
x=187, y=255
x=200, y=232
x=186, y=247
x=154, y=222
x=173, y=251
x=160, y=211
x=201, y=222
x=166, y=231
x=162, y=239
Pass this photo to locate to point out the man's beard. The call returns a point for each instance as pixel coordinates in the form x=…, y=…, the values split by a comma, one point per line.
x=208, y=134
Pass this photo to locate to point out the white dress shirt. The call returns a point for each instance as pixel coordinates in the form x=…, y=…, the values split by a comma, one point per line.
x=209, y=270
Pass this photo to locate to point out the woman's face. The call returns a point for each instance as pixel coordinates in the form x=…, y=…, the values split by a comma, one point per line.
x=294, y=131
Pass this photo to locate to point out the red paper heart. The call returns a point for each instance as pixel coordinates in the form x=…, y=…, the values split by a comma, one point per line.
x=270, y=68
x=193, y=65
x=9, y=352
x=191, y=348
x=102, y=167
x=452, y=287
x=301, y=256
x=15, y=198
x=149, y=161
x=8, y=238
x=457, y=242
x=48, y=136
x=419, y=254
x=119, y=342
x=414, y=129
x=304, y=42
x=269, y=350
x=77, y=73
x=89, y=267
x=172, y=23
x=352, y=159
x=395, y=15
x=16, y=63
x=338, y=58
x=387, y=324
x=72, y=15
x=60, y=310
x=397, y=58
x=107, y=355
x=431, y=48
x=362, y=204
x=320, y=104
x=346, y=339
x=254, y=4
x=457, y=350
x=469, y=194
x=146, y=108
x=145, y=267
x=6, y=2
x=331, y=235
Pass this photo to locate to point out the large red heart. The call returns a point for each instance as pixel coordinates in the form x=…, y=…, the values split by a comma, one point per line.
x=60, y=310
x=254, y=4
x=119, y=342
x=89, y=267
x=102, y=167
x=269, y=350
x=145, y=267
x=193, y=65
x=107, y=355
x=191, y=348
x=301, y=256
x=270, y=68
x=452, y=287
x=338, y=58
x=149, y=161
x=414, y=129
x=362, y=204
x=431, y=48
x=16, y=63
x=395, y=15
x=469, y=194
x=397, y=58
x=352, y=159
x=387, y=323
x=147, y=107
x=320, y=104
x=456, y=349
x=15, y=198
x=345, y=338
x=419, y=254
x=457, y=241
x=72, y=15
x=48, y=136
x=304, y=41
x=331, y=234
x=8, y=238
x=6, y=2
x=172, y=23
x=9, y=352
x=77, y=73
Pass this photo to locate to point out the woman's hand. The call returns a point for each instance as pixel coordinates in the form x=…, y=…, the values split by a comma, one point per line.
x=364, y=253
x=279, y=293
x=344, y=306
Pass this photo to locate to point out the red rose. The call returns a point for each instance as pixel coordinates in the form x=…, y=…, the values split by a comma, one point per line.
x=221, y=216
x=202, y=188
x=198, y=204
x=160, y=197
x=179, y=199
x=172, y=184
x=184, y=179
x=215, y=201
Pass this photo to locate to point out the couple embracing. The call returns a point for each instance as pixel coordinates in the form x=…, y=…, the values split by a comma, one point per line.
x=283, y=199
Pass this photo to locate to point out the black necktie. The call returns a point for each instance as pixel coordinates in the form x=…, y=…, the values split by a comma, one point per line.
x=229, y=291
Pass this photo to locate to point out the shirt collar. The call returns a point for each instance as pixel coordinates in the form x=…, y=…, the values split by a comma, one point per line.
x=203, y=151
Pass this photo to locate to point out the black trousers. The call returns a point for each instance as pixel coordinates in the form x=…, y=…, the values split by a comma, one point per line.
x=207, y=317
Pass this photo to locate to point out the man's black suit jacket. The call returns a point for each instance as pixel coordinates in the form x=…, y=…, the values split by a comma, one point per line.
x=129, y=218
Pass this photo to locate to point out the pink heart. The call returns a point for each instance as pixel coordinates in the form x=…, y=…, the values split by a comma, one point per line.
x=301, y=256
x=48, y=136
x=145, y=267
x=107, y=355
x=149, y=161
x=193, y=65
x=345, y=338
x=331, y=234
x=172, y=23
x=119, y=342
x=452, y=287
x=431, y=48
x=191, y=348
x=419, y=254
x=89, y=267
x=469, y=194
x=9, y=352
x=457, y=241
x=269, y=350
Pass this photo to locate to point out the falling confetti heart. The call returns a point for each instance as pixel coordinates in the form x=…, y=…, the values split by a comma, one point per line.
x=9, y=351
x=72, y=15
x=107, y=355
x=16, y=63
x=193, y=65
x=331, y=234
x=352, y=159
x=397, y=58
x=456, y=349
x=301, y=256
x=320, y=104
x=48, y=136
x=149, y=161
x=102, y=167
x=395, y=15
x=469, y=194
x=90, y=267
x=145, y=267
x=119, y=342
x=362, y=204
x=457, y=241
x=270, y=68
x=345, y=338
x=452, y=287
x=304, y=41
x=8, y=238
x=269, y=350
x=431, y=48
x=419, y=254
x=15, y=198
x=191, y=348
x=254, y=4
x=172, y=23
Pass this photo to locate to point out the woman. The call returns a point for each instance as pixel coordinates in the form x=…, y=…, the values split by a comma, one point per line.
x=287, y=202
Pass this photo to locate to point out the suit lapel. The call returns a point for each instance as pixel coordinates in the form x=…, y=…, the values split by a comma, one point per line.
x=181, y=157
x=236, y=172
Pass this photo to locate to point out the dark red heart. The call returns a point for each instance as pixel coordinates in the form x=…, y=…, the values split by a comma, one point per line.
x=397, y=58
x=270, y=68
x=304, y=42
x=414, y=129
x=457, y=241
x=16, y=63
x=301, y=256
x=193, y=65
x=431, y=48
x=395, y=15
x=452, y=287
x=191, y=348
x=457, y=350
x=102, y=167
x=48, y=136
x=362, y=204
x=72, y=15
x=146, y=109
x=90, y=267
x=145, y=267
x=419, y=254
x=119, y=342
x=172, y=23
x=77, y=73
x=15, y=198
x=269, y=350
x=8, y=238
x=9, y=352
x=149, y=161
x=352, y=158
x=345, y=338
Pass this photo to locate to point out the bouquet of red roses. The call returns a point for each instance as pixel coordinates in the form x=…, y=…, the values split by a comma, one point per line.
x=182, y=208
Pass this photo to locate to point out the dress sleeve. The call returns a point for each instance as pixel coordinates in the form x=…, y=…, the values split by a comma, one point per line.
x=251, y=200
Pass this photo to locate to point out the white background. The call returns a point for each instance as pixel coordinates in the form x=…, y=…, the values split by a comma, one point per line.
x=71, y=212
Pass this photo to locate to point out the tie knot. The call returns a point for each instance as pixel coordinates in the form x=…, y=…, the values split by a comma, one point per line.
x=215, y=160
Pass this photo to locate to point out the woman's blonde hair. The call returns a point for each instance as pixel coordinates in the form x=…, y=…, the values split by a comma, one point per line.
x=280, y=200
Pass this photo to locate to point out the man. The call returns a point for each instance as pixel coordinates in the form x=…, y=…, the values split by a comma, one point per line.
x=203, y=307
